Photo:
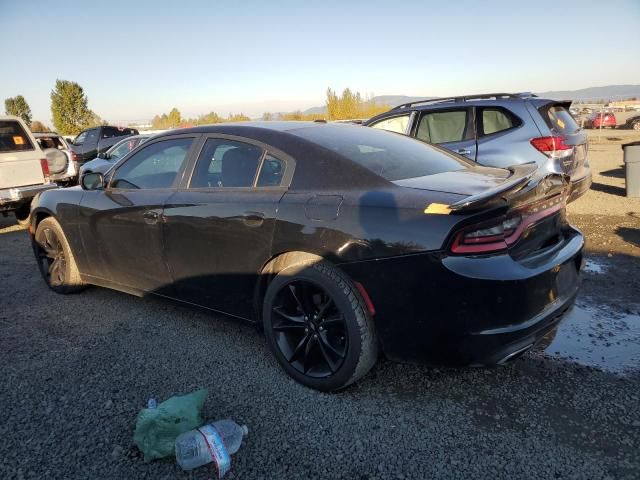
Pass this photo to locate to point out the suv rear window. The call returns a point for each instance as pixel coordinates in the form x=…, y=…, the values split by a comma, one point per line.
x=13, y=137
x=560, y=119
x=389, y=155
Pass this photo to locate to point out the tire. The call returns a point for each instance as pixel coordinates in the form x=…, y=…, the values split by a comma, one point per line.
x=23, y=214
x=636, y=125
x=341, y=344
x=55, y=259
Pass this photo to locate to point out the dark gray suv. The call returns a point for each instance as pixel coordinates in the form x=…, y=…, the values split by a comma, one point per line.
x=499, y=130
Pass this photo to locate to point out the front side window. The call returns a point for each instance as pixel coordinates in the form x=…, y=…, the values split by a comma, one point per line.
x=92, y=136
x=155, y=166
x=443, y=127
x=397, y=124
x=226, y=163
x=13, y=138
x=496, y=120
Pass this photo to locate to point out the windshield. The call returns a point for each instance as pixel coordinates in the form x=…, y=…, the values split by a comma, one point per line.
x=390, y=155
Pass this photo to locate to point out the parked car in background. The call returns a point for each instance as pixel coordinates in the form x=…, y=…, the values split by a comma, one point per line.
x=604, y=119
x=24, y=170
x=63, y=169
x=96, y=140
x=632, y=122
x=338, y=240
x=499, y=130
x=104, y=161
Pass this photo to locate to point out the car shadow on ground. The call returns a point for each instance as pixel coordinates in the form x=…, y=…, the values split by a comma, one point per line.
x=630, y=235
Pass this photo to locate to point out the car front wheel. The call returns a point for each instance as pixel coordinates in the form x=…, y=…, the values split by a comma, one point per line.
x=55, y=259
x=318, y=326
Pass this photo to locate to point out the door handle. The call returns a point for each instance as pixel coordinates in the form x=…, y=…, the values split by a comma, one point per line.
x=150, y=217
x=253, y=219
x=463, y=151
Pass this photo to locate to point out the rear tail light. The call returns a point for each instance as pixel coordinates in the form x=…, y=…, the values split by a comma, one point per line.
x=499, y=234
x=552, y=146
x=74, y=156
x=45, y=169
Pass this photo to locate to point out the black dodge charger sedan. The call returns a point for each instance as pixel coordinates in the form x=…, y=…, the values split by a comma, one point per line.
x=339, y=241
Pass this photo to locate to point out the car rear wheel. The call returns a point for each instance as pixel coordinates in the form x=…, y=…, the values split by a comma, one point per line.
x=318, y=326
x=636, y=125
x=55, y=259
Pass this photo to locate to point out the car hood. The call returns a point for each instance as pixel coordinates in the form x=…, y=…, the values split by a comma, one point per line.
x=468, y=181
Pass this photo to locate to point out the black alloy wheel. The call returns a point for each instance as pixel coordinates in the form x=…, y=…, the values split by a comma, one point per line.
x=52, y=260
x=309, y=329
x=55, y=258
x=318, y=326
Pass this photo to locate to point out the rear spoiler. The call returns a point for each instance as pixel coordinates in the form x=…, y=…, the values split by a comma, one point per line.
x=520, y=176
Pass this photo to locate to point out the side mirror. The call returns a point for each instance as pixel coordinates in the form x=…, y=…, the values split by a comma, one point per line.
x=103, y=155
x=92, y=181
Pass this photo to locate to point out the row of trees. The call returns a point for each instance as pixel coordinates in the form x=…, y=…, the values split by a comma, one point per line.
x=347, y=106
x=71, y=113
x=174, y=119
x=69, y=110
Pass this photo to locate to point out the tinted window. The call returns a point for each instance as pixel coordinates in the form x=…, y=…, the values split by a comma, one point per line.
x=496, y=120
x=394, y=124
x=443, y=127
x=270, y=172
x=51, y=142
x=560, y=119
x=226, y=163
x=92, y=136
x=155, y=166
x=123, y=148
x=391, y=156
x=13, y=138
x=109, y=132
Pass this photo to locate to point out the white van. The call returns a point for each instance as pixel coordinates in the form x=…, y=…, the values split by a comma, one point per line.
x=24, y=171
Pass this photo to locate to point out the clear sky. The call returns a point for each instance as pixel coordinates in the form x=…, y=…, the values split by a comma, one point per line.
x=138, y=58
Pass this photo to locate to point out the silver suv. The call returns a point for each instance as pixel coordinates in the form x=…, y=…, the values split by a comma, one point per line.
x=24, y=170
x=499, y=130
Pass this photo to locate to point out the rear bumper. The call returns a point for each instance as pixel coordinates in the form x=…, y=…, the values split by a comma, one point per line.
x=18, y=195
x=453, y=310
x=580, y=186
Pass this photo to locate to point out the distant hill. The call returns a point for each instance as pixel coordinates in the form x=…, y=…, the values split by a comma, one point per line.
x=610, y=92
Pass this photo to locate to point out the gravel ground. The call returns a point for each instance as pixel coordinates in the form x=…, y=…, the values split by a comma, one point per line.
x=76, y=369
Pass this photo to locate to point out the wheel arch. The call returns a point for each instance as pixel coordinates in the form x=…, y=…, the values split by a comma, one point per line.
x=271, y=268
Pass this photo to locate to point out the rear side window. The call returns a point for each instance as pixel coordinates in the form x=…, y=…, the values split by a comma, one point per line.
x=443, y=127
x=559, y=119
x=397, y=124
x=392, y=157
x=495, y=120
x=226, y=163
x=13, y=138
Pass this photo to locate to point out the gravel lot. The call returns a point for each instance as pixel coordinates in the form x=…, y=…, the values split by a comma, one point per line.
x=76, y=369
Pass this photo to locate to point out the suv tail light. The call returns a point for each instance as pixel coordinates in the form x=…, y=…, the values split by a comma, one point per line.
x=44, y=165
x=499, y=234
x=553, y=147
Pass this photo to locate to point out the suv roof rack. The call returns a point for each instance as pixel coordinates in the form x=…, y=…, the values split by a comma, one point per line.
x=464, y=98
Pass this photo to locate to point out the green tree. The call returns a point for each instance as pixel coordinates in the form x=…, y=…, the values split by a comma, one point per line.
x=69, y=108
x=267, y=116
x=38, y=126
x=19, y=107
x=174, y=118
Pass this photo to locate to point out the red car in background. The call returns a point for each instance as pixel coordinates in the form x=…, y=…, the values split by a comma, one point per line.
x=607, y=119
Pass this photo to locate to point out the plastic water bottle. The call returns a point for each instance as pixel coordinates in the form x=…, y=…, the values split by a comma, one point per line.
x=213, y=442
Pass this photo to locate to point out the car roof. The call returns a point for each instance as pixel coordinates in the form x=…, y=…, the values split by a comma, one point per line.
x=46, y=134
x=278, y=126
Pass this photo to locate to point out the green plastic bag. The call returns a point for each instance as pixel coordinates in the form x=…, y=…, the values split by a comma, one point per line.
x=158, y=428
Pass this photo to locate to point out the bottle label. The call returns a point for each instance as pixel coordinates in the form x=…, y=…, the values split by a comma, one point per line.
x=217, y=449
